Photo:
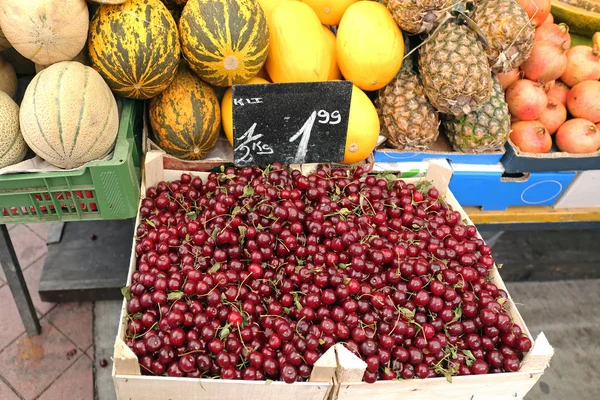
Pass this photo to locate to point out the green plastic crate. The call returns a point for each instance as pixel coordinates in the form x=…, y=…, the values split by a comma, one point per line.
x=102, y=190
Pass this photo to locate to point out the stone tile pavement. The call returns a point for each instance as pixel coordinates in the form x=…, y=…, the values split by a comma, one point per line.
x=60, y=360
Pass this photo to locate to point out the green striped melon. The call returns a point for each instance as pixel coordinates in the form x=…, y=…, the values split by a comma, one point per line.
x=224, y=41
x=8, y=78
x=135, y=47
x=12, y=144
x=69, y=115
x=186, y=118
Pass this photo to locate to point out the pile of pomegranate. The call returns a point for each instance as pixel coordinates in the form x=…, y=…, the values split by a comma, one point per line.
x=254, y=273
x=555, y=82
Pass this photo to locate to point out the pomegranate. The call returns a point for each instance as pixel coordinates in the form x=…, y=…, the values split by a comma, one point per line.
x=554, y=115
x=531, y=137
x=549, y=20
x=582, y=101
x=558, y=34
x=583, y=63
x=507, y=78
x=549, y=85
x=526, y=99
x=547, y=62
x=578, y=136
x=559, y=91
x=537, y=10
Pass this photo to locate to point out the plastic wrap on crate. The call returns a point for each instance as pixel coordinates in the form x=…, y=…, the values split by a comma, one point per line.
x=489, y=187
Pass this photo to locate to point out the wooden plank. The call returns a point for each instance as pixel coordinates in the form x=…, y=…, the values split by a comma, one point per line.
x=481, y=387
x=130, y=387
x=526, y=215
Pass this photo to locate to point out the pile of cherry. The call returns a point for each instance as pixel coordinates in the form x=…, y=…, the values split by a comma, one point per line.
x=255, y=273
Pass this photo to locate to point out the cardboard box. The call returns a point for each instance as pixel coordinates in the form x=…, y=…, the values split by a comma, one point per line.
x=440, y=149
x=515, y=161
x=584, y=192
x=339, y=373
x=490, y=188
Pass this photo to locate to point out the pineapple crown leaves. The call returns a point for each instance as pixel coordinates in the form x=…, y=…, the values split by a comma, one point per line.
x=457, y=12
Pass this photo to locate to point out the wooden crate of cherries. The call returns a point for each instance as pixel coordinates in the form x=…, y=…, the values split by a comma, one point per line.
x=254, y=273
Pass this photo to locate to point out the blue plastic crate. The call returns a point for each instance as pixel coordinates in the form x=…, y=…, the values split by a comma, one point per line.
x=490, y=188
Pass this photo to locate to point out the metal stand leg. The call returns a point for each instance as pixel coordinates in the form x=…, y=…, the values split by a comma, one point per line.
x=16, y=282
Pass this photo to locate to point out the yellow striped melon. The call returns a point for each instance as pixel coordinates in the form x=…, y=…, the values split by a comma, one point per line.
x=186, y=117
x=12, y=144
x=8, y=78
x=224, y=41
x=227, y=110
x=69, y=115
x=45, y=31
x=135, y=47
x=298, y=50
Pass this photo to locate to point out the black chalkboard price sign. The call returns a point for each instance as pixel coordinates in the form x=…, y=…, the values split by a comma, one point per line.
x=293, y=123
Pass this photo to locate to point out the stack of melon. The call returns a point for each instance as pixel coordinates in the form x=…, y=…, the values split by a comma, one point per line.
x=175, y=52
x=302, y=47
x=68, y=115
x=253, y=42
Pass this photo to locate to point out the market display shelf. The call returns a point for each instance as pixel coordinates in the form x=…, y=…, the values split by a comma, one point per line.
x=533, y=215
x=101, y=190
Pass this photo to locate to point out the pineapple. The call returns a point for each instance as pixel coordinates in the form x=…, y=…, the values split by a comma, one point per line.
x=454, y=69
x=417, y=16
x=481, y=131
x=407, y=118
x=507, y=28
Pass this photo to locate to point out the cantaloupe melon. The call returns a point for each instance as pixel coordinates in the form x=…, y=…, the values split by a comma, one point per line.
x=45, y=31
x=4, y=43
x=8, y=78
x=12, y=144
x=22, y=65
x=69, y=115
x=82, y=57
